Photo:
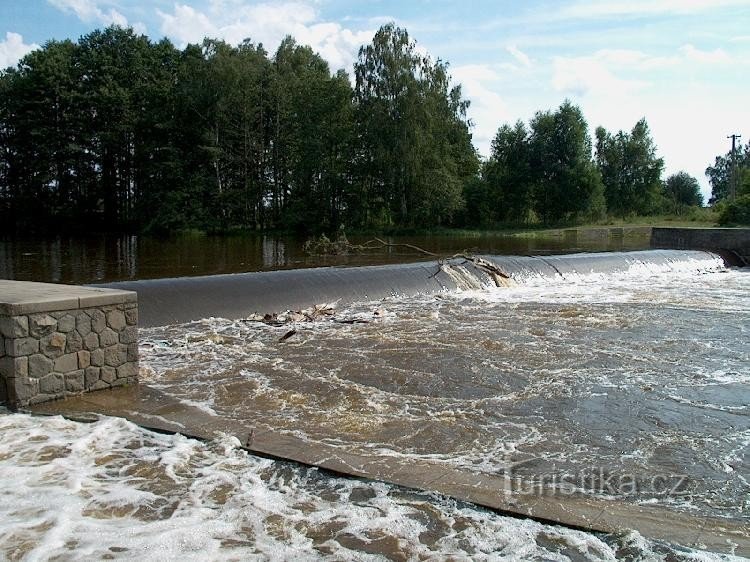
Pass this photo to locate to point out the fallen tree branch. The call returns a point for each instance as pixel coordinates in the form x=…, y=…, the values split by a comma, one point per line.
x=380, y=243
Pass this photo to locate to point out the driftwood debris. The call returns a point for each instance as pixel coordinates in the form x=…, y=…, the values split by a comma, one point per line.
x=307, y=315
x=324, y=246
x=376, y=243
x=499, y=277
x=342, y=246
x=326, y=311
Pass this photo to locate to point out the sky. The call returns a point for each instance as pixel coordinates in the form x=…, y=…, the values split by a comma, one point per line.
x=684, y=65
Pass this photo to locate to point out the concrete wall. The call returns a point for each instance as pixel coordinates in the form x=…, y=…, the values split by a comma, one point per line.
x=735, y=240
x=56, y=347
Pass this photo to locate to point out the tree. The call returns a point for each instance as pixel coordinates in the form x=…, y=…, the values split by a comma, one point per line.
x=480, y=202
x=631, y=171
x=508, y=174
x=40, y=126
x=682, y=191
x=720, y=174
x=567, y=184
x=415, y=151
x=737, y=212
x=114, y=70
x=312, y=138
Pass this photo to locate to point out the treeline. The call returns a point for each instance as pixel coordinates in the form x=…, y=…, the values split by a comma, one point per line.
x=118, y=132
x=730, y=186
x=545, y=172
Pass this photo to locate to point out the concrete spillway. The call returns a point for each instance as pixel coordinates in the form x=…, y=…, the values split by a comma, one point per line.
x=184, y=299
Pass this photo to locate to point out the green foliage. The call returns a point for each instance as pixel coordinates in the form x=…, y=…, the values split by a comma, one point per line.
x=85, y=125
x=415, y=152
x=720, y=174
x=682, y=191
x=630, y=169
x=737, y=212
x=508, y=174
x=567, y=184
x=479, y=211
x=544, y=172
x=118, y=132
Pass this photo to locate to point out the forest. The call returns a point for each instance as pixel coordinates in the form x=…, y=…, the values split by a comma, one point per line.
x=117, y=132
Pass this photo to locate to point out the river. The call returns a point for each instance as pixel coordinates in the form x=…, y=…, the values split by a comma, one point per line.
x=631, y=387
x=107, y=258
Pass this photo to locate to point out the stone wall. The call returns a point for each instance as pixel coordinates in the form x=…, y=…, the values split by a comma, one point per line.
x=52, y=354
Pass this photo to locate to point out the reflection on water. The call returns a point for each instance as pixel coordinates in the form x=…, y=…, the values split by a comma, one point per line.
x=117, y=258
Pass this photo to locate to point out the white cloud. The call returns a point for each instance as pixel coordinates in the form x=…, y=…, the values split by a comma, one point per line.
x=488, y=110
x=600, y=73
x=582, y=76
x=717, y=56
x=519, y=55
x=13, y=49
x=632, y=59
x=186, y=25
x=89, y=11
x=236, y=20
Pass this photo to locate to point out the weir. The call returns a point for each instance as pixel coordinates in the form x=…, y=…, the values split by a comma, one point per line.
x=172, y=301
x=184, y=299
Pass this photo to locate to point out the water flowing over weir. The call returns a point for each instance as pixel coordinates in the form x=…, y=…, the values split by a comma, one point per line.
x=170, y=301
x=602, y=391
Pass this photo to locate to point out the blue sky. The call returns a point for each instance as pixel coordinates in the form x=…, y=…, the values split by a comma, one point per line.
x=684, y=65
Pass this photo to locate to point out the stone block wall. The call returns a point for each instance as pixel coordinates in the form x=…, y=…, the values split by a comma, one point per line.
x=52, y=354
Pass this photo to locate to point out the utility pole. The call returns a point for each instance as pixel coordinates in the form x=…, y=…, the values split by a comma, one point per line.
x=733, y=179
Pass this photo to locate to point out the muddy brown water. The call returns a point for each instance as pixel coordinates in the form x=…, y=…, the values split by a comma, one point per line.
x=629, y=388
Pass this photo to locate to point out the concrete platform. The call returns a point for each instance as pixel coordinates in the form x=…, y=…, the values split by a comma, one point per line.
x=153, y=409
x=25, y=297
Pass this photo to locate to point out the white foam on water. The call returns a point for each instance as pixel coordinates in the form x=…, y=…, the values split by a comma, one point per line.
x=447, y=378
x=641, y=282
x=109, y=489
